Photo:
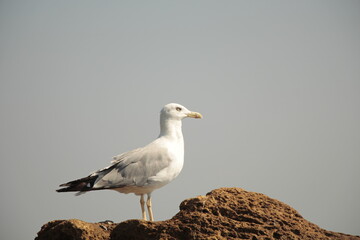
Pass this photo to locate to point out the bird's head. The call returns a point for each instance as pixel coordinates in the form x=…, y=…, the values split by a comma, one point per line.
x=178, y=112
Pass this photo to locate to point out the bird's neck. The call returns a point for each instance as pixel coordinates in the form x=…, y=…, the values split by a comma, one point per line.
x=171, y=128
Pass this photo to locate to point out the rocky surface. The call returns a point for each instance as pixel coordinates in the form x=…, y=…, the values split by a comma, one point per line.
x=74, y=229
x=225, y=213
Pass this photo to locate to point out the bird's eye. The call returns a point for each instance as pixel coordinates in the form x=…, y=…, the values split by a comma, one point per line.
x=178, y=109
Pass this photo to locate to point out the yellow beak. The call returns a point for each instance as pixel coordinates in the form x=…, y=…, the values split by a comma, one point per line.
x=194, y=115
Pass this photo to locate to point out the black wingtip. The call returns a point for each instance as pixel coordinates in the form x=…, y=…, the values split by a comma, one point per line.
x=79, y=185
x=61, y=190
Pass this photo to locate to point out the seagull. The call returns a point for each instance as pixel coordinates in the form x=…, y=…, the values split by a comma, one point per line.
x=143, y=170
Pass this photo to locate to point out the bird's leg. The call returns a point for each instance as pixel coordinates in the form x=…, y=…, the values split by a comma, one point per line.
x=142, y=203
x=148, y=204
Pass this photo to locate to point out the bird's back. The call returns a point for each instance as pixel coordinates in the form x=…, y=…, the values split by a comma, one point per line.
x=147, y=168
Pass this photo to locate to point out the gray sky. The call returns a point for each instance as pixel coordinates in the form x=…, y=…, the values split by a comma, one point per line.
x=278, y=83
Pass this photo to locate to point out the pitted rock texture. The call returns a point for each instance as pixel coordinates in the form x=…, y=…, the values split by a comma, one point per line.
x=225, y=213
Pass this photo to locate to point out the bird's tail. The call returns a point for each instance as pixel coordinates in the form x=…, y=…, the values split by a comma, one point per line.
x=80, y=185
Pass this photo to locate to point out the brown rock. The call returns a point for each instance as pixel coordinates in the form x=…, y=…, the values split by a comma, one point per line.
x=225, y=213
x=74, y=229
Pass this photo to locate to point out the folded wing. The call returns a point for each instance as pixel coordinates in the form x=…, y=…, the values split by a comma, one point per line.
x=132, y=168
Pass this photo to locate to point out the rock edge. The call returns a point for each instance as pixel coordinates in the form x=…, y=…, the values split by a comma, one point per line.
x=225, y=213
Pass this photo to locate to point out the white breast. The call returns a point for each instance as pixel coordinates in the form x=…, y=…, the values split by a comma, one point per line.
x=176, y=154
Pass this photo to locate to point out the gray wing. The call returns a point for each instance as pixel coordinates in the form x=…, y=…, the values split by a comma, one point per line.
x=133, y=168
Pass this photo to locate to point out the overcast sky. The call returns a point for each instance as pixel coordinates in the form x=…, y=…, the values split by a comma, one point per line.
x=278, y=84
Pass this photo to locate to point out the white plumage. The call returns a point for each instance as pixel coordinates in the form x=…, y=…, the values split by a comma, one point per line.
x=145, y=169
